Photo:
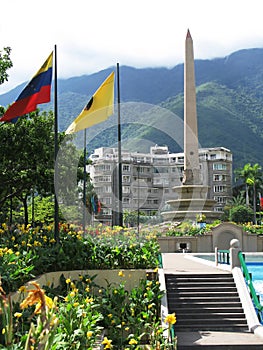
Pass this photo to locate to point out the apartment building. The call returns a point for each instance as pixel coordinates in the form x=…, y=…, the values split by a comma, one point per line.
x=148, y=178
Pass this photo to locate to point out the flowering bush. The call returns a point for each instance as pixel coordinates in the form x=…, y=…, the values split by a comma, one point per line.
x=27, y=252
x=257, y=229
x=79, y=314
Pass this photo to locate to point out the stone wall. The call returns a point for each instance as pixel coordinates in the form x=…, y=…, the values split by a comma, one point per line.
x=220, y=237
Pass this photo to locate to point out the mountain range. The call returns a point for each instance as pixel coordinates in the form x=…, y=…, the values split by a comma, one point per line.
x=229, y=93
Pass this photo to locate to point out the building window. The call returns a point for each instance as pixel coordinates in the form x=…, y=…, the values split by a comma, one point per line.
x=126, y=167
x=104, y=178
x=220, y=200
x=103, y=167
x=106, y=189
x=218, y=209
x=106, y=211
x=126, y=200
x=219, y=188
x=219, y=166
x=126, y=178
x=126, y=189
x=219, y=177
x=106, y=200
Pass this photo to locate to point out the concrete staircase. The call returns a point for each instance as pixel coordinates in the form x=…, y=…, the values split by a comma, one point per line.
x=208, y=305
x=205, y=302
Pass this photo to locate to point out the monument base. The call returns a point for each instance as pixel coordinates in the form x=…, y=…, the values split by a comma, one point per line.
x=191, y=202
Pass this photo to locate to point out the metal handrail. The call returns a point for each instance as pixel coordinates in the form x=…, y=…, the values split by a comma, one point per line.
x=249, y=282
x=223, y=256
x=160, y=260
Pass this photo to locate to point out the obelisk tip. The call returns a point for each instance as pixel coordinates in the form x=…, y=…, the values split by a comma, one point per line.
x=188, y=35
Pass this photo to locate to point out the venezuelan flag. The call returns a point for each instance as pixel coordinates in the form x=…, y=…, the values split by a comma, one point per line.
x=36, y=92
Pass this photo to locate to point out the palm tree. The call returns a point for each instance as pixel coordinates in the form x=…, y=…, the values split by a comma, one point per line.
x=252, y=176
x=244, y=173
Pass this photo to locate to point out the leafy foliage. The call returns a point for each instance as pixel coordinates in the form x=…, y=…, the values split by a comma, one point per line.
x=5, y=64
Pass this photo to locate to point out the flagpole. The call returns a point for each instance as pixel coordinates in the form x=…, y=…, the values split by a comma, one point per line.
x=84, y=181
x=120, y=214
x=56, y=218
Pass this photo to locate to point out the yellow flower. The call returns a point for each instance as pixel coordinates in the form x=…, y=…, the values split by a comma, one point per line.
x=76, y=304
x=89, y=334
x=87, y=289
x=37, y=297
x=3, y=331
x=89, y=300
x=48, y=302
x=121, y=274
x=110, y=315
x=18, y=314
x=170, y=319
x=156, y=269
x=107, y=342
x=22, y=289
x=133, y=341
x=68, y=280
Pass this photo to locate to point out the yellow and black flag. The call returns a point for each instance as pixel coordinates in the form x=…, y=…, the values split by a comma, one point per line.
x=98, y=109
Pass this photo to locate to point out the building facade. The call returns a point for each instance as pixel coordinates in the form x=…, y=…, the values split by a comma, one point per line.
x=148, y=178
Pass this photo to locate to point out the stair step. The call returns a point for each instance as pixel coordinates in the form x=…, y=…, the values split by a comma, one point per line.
x=205, y=302
x=219, y=311
x=205, y=297
x=203, y=305
x=201, y=285
x=208, y=314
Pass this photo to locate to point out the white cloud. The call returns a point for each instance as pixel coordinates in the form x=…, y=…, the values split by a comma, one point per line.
x=93, y=35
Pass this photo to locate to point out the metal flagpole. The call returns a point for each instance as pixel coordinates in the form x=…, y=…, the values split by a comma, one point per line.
x=56, y=218
x=120, y=214
x=84, y=181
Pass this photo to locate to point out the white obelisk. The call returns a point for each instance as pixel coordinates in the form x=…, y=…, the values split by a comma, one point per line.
x=192, y=173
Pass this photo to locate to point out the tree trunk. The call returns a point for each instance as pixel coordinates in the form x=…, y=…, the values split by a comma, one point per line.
x=247, y=196
x=255, y=203
x=25, y=210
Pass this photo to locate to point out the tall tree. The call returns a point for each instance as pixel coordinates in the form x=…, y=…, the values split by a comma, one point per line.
x=243, y=174
x=253, y=179
x=27, y=158
x=5, y=64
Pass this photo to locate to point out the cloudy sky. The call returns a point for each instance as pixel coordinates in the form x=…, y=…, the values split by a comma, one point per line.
x=92, y=35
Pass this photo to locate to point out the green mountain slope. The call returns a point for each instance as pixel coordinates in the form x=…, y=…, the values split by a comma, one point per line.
x=229, y=105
